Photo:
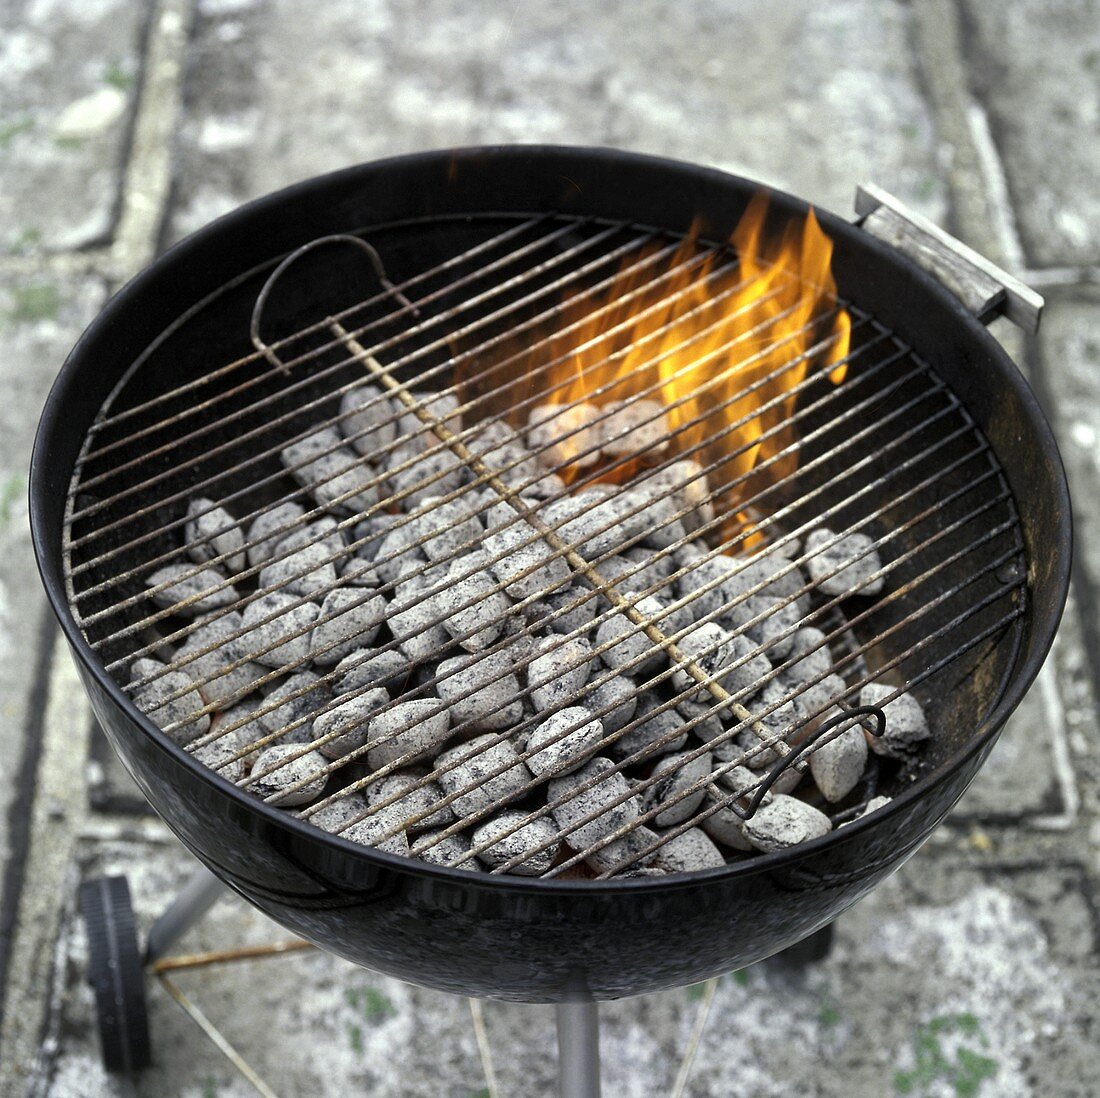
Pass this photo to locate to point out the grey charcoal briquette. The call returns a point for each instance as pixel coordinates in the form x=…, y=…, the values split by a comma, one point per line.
x=558, y=671
x=906, y=725
x=471, y=604
x=703, y=581
x=414, y=617
x=348, y=621
x=250, y=728
x=221, y=683
x=188, y=589
x=324, y=531
x=396, y=554
x=415, y=474
x=563, y=741
x=368, y=419
x=656, y=731
x=595, y=523
x=855, y=550
x=299, y=571
x=442, y=406
x=689, y=852
x=732, y=661
x=328, y=469
x=784, y=823
x=341, y=813
x=817, y=697
x=350, y=718
x=373, y=831
x=285, y=639
x=686, y=482
x=671, y=777
x=811, y=656
x=152, y=700
x=416, y=805
x=269, y=528
x=567, y=609
x=704, y=712
x=211, y=531
x=634, y=426
x=468, y=770
x=357, y=572
x=523, y=842
x=521, y=560
x=614, y=700
x=561, y=434
x=436, y=850
x=635, y=653
x=873, y=805
x=366, y=667
x=737, y=785
x=219, y=755
x=286, y=772
x=367, y=534
x=610, y=786
x=408, y=731
x=838, y=765
x=481, y=690
x=628, y=851
x=446, y=528
x=302, y=695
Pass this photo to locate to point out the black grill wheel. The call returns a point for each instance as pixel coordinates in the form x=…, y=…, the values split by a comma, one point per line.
x=116, y=974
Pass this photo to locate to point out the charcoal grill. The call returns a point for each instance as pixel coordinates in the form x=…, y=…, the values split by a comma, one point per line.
x=456, y=271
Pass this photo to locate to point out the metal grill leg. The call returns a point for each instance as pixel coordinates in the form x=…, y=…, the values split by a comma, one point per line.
x=579, y=1050
x=194, y=900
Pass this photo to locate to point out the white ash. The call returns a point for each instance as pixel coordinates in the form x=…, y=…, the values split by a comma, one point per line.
x=152, y=700
x=564, y=434
x=558, y=671
x=416, y=807
x=468, y=771
x=471, y=604
x=784, y=823
x=686, y=482
x=285, y=639
x=671, y=777
x=614, y=701
x=653, y=725
x=417, y=474
x=324, y=466
x=634, y=652
x=837, y=766
x=627, y=848
x=348, y=621
x=303, y=570
x=523, y=842
x=269, y=528
x=429, y=848
x=611, y=786
x=191, y=594
x=481, y=691
x=342, y=812
x=305, y=694
x=563, y=741
x=634, y=426
x=736, y=785
x=211, y=531
x=522, y=561
x=365, y=667
x=855, y=550
x=287, y=772
x=368, y=419
x=446, y=528
x=408, y=731
x=351, y=719
x=370, y=830
x=414, y=617
x=906, y=725
x=220, y=682
x=689, y=852
x=219, y=754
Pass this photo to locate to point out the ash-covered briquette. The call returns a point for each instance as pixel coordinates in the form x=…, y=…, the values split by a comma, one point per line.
x=453, y=669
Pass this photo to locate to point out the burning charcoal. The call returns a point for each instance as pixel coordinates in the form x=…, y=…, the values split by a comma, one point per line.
x=724, y=824
x=906, y=725
x=595, y=523
x=708, y=720
x=413, y=728
x=251, y=727
x=634, y=427
x=784, y=823
x=837, y=766
x=151, y=699
x=219, y=685
x=492, y=700
x=211, y=531
x=352, y=719
x=415, y=807
x=564, y=750
x=472, y=606
x=342, y=812
x=348, y=620
x=524, y=842
x=324, y=466
x=650, y=729
x=634, y=643
x=448, y=527
x=396, y=554
x=650, y=570
x=689, y=852
x=325, y=532
x=443, y=406
x=446, y=850
x=559, y=671
x=269, y=528
x=288, y=772
x=466, y=770
x=526, y=569
x=367, y=534
x=357, y=572
x=502, y=450
x=414, y=618
x=417, y=473
x=370, y=830
x=732, y=661
x=192, y=595
x=303, y=572
x=574, y=606
x=704, y=584
x=305, y=694
x=815, y=699
x=368, y=419
x=645, y=871
x=614, y=701
x=562, y=434
x=658, y=517
x=261, y=643
x=219, y=755
x=788, y=781
x=674, y=774
x=873, y=805
x=628, y=849
x=811, y=654
x=686, y=482
x=610, y=786
x=855, y=548
x=363, y=667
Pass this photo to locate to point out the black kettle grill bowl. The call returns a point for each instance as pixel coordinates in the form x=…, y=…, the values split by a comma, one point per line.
x=507, y=937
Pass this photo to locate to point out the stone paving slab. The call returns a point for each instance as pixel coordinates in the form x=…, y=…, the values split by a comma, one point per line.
x=699, y=81
x=68, y=71
x=1036, y=67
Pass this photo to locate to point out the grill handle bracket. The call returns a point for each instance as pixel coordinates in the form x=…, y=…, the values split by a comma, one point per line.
x=985, y=289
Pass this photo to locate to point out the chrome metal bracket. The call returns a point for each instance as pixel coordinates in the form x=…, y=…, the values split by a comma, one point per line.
x=983, y=287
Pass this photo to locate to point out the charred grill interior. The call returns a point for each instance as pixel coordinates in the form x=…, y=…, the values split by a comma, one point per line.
x=532, y=610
